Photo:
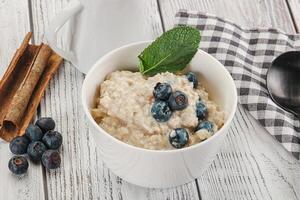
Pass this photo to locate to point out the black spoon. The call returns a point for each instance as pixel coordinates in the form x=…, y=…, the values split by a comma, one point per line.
x=283, y=81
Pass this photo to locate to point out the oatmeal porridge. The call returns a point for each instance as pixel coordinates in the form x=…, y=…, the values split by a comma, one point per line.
x=165, y=111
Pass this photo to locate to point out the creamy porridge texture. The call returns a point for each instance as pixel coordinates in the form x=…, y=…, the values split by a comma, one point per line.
x=124, y=110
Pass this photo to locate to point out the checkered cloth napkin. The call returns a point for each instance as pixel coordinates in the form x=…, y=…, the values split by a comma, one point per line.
x=247, y=54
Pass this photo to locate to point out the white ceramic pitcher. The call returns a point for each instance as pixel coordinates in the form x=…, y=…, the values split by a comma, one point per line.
x=98, y=26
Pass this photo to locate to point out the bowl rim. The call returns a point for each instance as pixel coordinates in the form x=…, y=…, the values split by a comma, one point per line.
x=102, y=131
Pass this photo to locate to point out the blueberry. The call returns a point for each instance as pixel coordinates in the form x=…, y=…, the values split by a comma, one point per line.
x=45, y=124
x=162, y=91
x=51, y=159
x=160, y=111
x=35, y=150
x=52, y=139
x=192, y=78
x=18, y=165
x=19, y=145
x=205, y=125
x=179, y=137
x=178, y=101
x=201, y=110
x=34, y=133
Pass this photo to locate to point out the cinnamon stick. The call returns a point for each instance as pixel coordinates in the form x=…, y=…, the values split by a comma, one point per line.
x=23, y=85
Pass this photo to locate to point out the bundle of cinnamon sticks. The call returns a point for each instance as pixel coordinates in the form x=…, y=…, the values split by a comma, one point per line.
x=23, y=86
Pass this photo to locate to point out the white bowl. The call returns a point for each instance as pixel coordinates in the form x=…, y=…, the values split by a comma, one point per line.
x=154, y=168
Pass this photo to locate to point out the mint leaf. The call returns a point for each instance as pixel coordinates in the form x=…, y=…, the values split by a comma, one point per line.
x=171, y=52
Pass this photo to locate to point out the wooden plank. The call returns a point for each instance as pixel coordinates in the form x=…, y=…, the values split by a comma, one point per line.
x=256, y=13
x=294, y=6
x=251, y=164
x=14, y=24
x=83, y=174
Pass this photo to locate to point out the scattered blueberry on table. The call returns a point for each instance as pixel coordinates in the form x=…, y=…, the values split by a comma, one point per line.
x=160, y=111
x=51, y=159
x=52, y=139
x=45, y=124
x=178, y=101
x=40, y=142
x=35, y=150
x=18, y=165
x=178, y=137
x=162, y=91
x=33, y=133
x=192, y=77
x=19, y=145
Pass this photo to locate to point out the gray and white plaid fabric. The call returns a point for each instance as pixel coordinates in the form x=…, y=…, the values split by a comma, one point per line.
x=247, y=54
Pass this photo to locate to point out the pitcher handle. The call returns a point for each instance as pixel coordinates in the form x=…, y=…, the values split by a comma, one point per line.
x=55, y=25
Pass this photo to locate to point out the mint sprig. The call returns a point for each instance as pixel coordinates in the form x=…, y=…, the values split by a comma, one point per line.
x=171, y=52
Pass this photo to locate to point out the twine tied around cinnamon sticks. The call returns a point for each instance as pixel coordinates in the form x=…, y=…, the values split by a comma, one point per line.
x=23, y=85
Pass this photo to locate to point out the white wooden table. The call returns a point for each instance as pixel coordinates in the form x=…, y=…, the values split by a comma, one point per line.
x=251, y=164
